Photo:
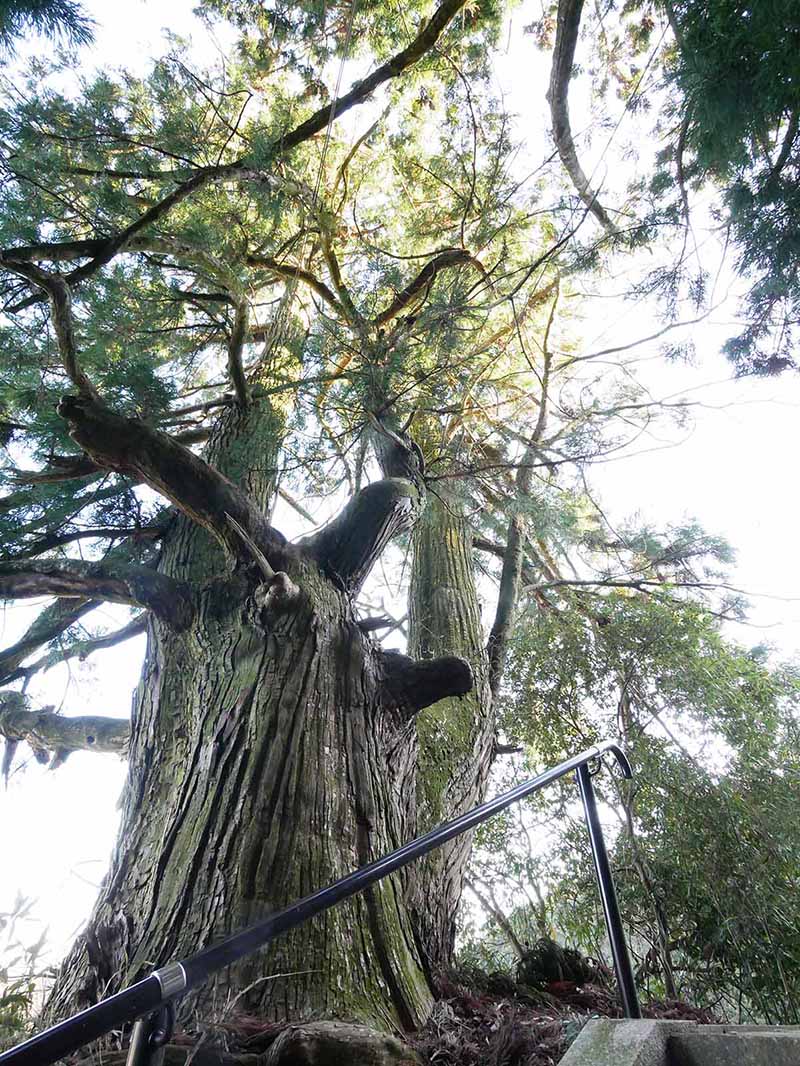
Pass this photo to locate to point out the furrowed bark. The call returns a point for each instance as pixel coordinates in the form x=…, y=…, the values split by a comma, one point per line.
x=46, y=731
x=263, y=764
x=206, y=496
x=568, y=25
x=169, y=600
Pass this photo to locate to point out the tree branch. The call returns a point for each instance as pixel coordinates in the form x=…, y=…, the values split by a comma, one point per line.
x=49, y=624
x=415, y=684
x=349, y=546
x=46, y=731
x=569, y=21
x=82, y=649
x=169, y=600
x=422, y=282
x=61, y=305
x=513, y=556
x=104, y=249
x=235, y=348
x=287, y=270
x=130, y=446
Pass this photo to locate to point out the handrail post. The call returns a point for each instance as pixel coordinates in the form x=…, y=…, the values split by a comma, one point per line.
x=149, y=1036
x=608, y=895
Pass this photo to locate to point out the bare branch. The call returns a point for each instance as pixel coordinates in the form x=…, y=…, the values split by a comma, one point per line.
x=513, y=555
x=169, y=600
x=569, y=21
x=46, y=731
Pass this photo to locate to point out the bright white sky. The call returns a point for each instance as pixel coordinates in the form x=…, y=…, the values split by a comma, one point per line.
x=731, y=471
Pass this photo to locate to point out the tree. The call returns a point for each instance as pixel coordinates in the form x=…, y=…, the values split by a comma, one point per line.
x=706, y=847
x=56, y=19
x=207, y=260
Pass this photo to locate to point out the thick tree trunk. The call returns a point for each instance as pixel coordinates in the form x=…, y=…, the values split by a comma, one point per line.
x=265, y=762
x=275, y=749
x=456, y=735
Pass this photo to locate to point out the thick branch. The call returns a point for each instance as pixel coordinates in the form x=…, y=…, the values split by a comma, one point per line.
x=422, y=282
x=168, y=599
x=46, y=731
x=415, y=684
x=235, y=348
x=130, y=446
x=569, y=21
x=349, y=546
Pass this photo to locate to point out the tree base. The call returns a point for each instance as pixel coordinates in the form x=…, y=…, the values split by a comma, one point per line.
x=322, y=1043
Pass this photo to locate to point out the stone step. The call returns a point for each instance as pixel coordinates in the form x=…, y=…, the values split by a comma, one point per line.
x=612, y=1042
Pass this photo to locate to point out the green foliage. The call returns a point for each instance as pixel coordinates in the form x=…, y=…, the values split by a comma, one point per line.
x=20, y=973
x=706, y=847
x=56, y=19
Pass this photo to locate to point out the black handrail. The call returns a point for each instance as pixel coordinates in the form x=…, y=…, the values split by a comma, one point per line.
x=150, y=996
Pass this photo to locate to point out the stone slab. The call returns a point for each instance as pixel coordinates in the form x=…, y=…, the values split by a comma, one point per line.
x=617, y=1042
x=750, y=1048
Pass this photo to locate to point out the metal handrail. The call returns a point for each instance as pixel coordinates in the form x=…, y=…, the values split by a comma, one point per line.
x=151, y=1000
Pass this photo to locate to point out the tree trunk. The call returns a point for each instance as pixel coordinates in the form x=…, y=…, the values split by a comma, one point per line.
x=272, y=751
x=265, y=762
x=456, y=735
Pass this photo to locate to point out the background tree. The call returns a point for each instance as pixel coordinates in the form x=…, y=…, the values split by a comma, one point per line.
x=706, y=844
x=721, y=84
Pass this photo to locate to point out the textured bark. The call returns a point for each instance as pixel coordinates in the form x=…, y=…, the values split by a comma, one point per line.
x=273, y=751
x=455, y=735
x=281, y=764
